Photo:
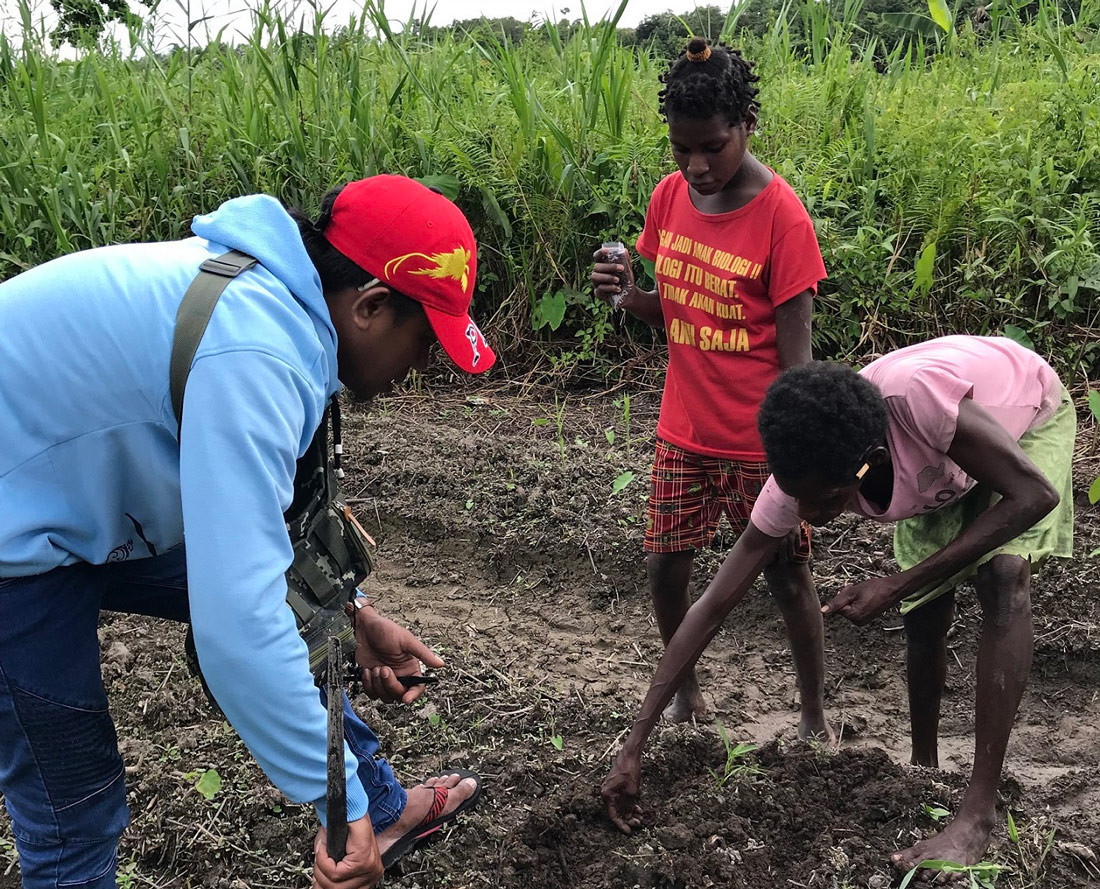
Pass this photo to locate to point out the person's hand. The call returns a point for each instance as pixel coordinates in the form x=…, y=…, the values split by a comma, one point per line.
x=620, y=793
x=864, y=601
x=361, y=866
x=385, y=651
x=608, y=278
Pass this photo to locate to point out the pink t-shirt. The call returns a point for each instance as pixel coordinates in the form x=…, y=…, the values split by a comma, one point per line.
x=923, y=386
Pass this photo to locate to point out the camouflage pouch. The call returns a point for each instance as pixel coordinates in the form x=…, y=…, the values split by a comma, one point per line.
x=332, y=552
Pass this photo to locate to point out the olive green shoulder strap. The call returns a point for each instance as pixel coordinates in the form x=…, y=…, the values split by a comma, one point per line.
x=194, y=314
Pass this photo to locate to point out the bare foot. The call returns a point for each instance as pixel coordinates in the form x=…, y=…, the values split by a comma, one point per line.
x=813, y=727
x=419, y=803
x=964, y=841
x=686, y=706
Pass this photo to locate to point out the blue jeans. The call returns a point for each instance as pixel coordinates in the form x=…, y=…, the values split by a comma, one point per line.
x=60, y=770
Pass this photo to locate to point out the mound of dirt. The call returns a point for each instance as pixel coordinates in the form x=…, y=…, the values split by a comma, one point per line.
x=796, y=814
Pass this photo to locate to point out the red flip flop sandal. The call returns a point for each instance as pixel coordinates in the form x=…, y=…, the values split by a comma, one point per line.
x=434, y=820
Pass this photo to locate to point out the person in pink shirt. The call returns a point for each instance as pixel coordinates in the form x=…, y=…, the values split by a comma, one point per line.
x=966, y=443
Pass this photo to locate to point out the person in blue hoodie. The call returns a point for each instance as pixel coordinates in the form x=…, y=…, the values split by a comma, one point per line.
x=100, y=488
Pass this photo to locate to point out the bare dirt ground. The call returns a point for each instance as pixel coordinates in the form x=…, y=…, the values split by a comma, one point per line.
x=504, y=545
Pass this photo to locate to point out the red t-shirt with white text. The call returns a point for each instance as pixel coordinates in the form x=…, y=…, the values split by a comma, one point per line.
x=720, y=277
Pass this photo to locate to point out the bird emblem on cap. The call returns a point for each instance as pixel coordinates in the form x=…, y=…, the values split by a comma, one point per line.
x=454, y=265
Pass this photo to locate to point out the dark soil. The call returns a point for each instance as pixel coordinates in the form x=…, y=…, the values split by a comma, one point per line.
x=806, y=816
x=503, y=545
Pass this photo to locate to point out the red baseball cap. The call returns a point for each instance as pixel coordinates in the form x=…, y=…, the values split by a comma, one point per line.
x=419, y=243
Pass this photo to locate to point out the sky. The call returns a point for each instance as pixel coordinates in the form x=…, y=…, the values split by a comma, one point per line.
x=212, y=15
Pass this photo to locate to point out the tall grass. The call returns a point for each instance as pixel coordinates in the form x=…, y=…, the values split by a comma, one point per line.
x=955, y=183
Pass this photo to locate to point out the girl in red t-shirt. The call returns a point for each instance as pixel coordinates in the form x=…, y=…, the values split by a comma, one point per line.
x=737, y=263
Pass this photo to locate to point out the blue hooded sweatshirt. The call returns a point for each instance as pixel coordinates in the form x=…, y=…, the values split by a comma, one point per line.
x=89, y=452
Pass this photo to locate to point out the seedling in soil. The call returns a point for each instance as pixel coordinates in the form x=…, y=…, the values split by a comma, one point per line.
x=558, y=420
x=737, y=765
x=622, y=481
x=207, y=783
x=1094, y=406
x=1041, y=843
x=982, y=875
x=936, y=813
x=558, y=741
x=624, y=405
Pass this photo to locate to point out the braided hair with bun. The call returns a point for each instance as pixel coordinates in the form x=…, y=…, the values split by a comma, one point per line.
x=706, y=80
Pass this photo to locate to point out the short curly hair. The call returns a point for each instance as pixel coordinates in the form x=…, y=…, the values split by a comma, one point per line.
x=818, y=420
x=720, y=82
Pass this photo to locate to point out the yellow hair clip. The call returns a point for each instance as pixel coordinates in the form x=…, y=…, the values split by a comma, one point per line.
x=862, y=471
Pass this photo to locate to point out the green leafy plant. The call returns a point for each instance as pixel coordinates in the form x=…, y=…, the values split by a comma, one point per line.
x=936, y=813
x=1094, y=407
x=738, y=764
x=557, y=741
x=621, y=481
x=549, y=311
x=1030, y=863
x=982, y=875
x=1019, y=335
x=923, y=270
x=208, y=783
x=568, y=149
x=623, y=404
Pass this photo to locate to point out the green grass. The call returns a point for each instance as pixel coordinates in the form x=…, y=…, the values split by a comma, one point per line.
x=955, y=185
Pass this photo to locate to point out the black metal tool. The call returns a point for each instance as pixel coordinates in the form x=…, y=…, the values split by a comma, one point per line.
x=410, y=681
x=354, y=673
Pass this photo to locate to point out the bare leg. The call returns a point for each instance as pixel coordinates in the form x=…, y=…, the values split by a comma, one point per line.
x=792, y=587
x=1004, y=661
x=926, y=669
x=669, y=576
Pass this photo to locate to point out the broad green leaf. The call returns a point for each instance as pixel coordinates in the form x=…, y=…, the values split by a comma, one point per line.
x=558, y=741
x=549, y=310
x=445, y=182
x=920, y=25
x=1019, y=335
x=209, y=783
x=941, y=15
x=622, y=481
x=1094, y=402
x=924, y=268
x=1094, y=492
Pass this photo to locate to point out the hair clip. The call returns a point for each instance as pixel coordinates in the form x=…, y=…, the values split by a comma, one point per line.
x=373, y=282
x=700, y=56
x=862, y=471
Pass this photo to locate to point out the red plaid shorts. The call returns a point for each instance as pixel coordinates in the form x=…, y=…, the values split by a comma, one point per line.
x=689, y=492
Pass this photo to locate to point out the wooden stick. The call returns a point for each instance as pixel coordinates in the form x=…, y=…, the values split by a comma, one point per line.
x=336, y=801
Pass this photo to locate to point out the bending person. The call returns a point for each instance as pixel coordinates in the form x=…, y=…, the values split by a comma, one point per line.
x=100, y=487
x=967, y=444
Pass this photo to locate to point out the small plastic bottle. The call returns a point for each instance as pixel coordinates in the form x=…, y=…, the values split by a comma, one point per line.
x=615, y=251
